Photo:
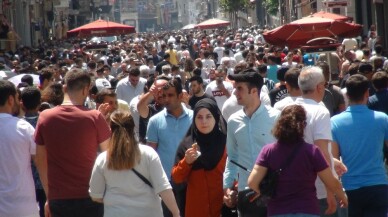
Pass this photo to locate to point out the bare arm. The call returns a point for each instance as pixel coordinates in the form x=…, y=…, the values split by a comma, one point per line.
x=98, y=200
x=339, y=167
x=334, y=185
x=323, y=145
x=169, y=199
x=104, y=145
x=142, y=105
x=256, y=177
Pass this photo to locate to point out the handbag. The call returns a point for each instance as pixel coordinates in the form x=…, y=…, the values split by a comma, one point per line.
x=145, y=180
x=245, y=203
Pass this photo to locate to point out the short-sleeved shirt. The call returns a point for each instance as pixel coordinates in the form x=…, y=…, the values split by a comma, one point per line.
x=194, y=99
x=168, y=131
x=123, y=190
x=126, y=91
x=278, y=94
x=272, y=71
x=71, y=135
x=295, y=192
x=246, y=136
x=360, y=134
x=379, y=101
x=213, y=90
x=17, y=191
x=317, y=128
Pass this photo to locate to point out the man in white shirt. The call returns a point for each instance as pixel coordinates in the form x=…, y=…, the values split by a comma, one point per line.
x=350, y=44
x=318, y=129
x=219, y=49
x=219, y=88
x=130, y=87
x=294, y=92
x=17, y=190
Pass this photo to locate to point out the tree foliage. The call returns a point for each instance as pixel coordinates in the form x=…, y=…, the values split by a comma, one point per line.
x=233, y=5
x=272, y=6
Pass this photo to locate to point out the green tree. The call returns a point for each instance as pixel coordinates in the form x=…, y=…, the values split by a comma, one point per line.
x=232, y=7
x=272, y=6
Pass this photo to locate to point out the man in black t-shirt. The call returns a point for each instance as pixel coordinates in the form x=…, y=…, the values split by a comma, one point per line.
x=197, y=91
x=280, y=91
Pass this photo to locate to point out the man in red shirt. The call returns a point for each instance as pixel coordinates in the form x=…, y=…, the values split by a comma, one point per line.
x=68, y=138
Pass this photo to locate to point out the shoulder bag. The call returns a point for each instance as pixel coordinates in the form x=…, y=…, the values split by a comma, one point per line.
x=249, y=207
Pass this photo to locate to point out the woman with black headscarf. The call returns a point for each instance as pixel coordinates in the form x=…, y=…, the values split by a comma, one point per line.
x=200, y=161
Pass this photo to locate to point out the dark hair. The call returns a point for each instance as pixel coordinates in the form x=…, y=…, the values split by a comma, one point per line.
x=53, y=94
x=77, y=79
x=380, y=80
x=196, y=78
x=353, y=68
x=175, y=83
x=45, y=74
x=366, y=51
x=239, y=67
x=31, y=98
x=244, y=54
x=28, y=79
x=92, y=65
x=356, y=86
x=281, y=73
x=291, y=77
x=7, y=89
x=262, y=68
x=250, y=84
x=174, y=68
x=289, y=128
x=206, y=54
x=378, y=48
x=197, y=72
x=103, y=93
x=134, y=71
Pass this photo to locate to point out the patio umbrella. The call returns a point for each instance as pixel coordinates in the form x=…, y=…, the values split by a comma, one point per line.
x=338, y=17
x=298, y=32
x=101, y=28
x=189, y=26
x=212, y=24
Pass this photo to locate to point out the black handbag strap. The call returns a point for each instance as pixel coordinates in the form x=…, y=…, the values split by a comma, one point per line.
x=290, y=158
x=145, y=180
x=284, y=165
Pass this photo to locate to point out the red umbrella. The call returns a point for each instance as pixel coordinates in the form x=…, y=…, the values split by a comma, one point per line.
x=101, y=28
x=212, y=23
x=298, y=32
x=338, y=17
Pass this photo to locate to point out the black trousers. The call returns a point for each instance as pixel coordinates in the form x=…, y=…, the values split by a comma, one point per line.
x=76, y=208
x=371, y=201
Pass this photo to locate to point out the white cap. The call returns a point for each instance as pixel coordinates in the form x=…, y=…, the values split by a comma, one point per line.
x=102, y=83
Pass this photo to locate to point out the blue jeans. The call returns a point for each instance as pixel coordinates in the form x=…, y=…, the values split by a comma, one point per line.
x=340, y=212
x=371, y=201
x=76, y=208
x=295, y=215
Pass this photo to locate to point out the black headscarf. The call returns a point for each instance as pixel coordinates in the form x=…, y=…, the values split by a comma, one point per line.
x=212, y=145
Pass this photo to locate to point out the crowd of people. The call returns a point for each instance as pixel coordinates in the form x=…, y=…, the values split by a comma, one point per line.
x=150, y=126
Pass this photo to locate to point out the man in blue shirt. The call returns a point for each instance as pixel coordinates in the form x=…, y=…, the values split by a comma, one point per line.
x=358, y=138
x=248, y=131
x=167, y=128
